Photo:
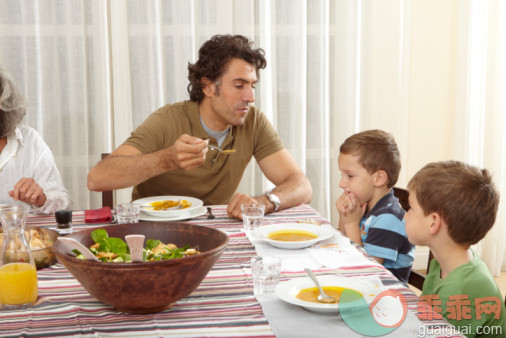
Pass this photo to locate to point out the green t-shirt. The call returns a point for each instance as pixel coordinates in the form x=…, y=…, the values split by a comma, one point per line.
x=474, y=281
x=216, y=180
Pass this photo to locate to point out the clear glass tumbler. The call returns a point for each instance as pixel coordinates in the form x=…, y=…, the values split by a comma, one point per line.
x=128, y=213
x=265, y=272
x=252, y=216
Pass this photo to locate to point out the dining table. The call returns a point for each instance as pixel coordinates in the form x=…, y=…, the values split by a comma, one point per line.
x=224, y=304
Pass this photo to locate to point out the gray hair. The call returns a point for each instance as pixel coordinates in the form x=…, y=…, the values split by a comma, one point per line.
x=12, y=104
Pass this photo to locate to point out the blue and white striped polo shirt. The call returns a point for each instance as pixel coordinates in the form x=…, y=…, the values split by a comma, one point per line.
x=384, y=236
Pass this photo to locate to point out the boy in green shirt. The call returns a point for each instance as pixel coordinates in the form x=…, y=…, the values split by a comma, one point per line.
x=453, y=206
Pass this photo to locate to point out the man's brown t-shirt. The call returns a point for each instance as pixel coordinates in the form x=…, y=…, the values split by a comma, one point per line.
x=216, y=180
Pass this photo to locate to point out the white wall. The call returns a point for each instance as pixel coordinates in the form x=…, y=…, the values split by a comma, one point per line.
x=431, y=114
x=432, y=84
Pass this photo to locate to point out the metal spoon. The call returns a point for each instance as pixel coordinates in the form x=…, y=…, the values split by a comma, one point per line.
x=226, y=151
x=135, y=244
x=147, y=207
x=323, y=297
x=74, y=244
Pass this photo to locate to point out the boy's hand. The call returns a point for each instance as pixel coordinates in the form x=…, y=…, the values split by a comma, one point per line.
x=350, y=213
x=349, y=208
x=341, y=206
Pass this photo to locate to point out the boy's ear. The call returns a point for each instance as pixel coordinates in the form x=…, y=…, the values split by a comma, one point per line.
x=381, y=178
x=436, y=223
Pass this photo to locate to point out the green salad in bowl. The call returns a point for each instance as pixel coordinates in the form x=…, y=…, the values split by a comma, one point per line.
x=114, y=249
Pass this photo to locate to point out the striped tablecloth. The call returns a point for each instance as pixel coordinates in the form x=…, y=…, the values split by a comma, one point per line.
x=222, y=306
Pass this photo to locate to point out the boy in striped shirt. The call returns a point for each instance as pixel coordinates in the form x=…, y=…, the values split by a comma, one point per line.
x=369, y=213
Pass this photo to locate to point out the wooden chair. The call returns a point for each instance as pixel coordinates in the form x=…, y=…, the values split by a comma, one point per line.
x=415, y=278
x=107, y=196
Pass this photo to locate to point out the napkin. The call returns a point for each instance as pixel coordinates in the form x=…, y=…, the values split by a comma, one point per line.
x=291, y=260
x=98, y=215
x=338, y=253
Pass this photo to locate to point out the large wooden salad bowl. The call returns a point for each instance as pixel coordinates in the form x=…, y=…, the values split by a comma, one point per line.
x=146, y=287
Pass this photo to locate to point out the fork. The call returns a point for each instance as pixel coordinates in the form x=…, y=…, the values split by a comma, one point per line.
x=210, y=212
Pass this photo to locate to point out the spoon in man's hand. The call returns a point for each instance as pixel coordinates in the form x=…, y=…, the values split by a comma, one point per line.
x=223, y=151
x=323, y=297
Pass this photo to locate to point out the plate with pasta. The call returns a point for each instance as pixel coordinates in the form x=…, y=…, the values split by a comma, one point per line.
x=168, y=206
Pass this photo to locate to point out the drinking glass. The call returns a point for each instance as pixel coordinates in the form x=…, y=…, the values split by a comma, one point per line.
x=18, y=274
x=265, y=272
x=252, y=216
x=128, y=213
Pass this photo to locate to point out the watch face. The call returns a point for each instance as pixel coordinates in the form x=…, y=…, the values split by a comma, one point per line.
x=274, y=199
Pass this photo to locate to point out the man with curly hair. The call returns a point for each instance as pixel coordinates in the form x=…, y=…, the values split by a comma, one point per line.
x=168, y=153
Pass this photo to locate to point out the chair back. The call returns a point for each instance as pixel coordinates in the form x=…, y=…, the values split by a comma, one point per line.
x=403, y=196
x=415, y=278
x=107, y=196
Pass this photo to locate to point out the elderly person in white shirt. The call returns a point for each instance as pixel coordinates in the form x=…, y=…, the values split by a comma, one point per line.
x=28, y=173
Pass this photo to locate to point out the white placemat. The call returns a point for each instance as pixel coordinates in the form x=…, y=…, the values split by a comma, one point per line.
x=287, y=320
x=334, y=252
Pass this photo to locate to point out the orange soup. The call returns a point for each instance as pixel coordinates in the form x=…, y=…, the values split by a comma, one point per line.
x=291, y=235
x=18, y=284
x=163, y=205
x=311, y=294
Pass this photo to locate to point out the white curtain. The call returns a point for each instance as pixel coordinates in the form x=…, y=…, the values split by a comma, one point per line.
x=482, y=106
x=58, y=53
x=161, y=37
x=430, y=72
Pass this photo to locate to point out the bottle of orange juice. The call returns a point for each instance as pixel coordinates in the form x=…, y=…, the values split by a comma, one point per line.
x=18, y=275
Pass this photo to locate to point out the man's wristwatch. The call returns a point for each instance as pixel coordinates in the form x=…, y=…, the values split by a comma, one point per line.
x=274, y=200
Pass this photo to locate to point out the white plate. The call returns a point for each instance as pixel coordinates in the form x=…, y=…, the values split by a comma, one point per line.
x=196, y=203
x=287, y=291
x=187, y=215
x=322, y=231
